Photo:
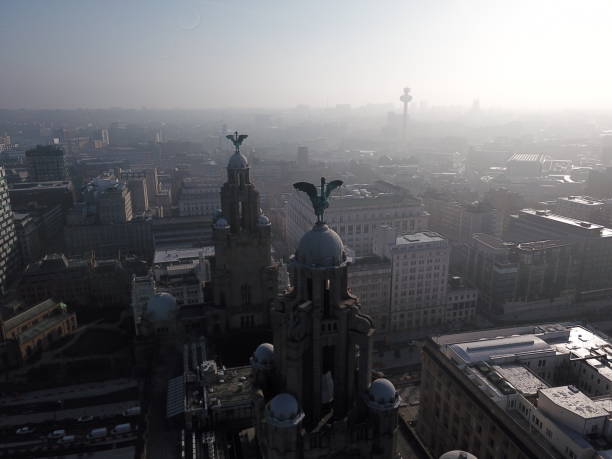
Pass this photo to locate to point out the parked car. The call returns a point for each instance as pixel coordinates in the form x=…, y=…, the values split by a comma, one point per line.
x=67, y=439
x=133, y=411
x=59, y=433
x=99, y=432
x=85, y=419
x=122, y=428
x=25, y=430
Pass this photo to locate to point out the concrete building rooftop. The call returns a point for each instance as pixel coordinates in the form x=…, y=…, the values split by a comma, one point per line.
x=181, y=254
x=546, y=214
x=527, y=157
x=490, y=241
x=419, y=238
x=523, y=380
x=233, y=385
x=573, y=400
x=584, y=200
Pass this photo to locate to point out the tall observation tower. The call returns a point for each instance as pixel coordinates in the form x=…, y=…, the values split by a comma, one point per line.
x=405, y=98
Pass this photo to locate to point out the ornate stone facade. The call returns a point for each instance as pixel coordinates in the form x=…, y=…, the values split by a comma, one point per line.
x=245, y=277
x=313, y=390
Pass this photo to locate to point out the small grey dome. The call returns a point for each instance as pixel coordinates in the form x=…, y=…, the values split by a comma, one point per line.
x=321, y=246
x=283, y=411
x=457, y=454
x=262, y=220
x=161, y=307
x=382, y=394
x=263, y=357
x=237, y=161
x=221, y=223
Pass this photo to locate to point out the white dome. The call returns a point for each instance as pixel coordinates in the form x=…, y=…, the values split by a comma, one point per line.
x=457, y=454
x=382, y=394
x=321, y=246
x=263, y=357
x=161, y=307
x=283, y=411
x=237, y=161
x=262, y=220
x=221, y=223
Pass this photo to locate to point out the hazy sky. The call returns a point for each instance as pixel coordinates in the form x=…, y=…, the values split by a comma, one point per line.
x=259, y=53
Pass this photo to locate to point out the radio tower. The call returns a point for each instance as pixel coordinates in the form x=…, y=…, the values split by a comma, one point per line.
x=405, y=98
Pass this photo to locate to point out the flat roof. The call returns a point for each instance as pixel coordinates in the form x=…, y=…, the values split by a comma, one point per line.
x=180, y=254
x=584, y=200
x=483, y=350
x=232, y=385
x=573, y=400
x=521, y=378
x=527, y=157
x=545, y=214
x=541, y=245
x=490, y=241
x=419, y=238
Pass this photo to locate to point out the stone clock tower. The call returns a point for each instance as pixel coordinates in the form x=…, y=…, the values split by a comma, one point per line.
x=245, y=277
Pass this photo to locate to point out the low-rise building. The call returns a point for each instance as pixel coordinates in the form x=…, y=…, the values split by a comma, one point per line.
x=77, y=281
x=537, y=391
x=34, y=328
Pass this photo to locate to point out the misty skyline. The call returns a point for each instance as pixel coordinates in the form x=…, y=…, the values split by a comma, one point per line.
x=204, y=54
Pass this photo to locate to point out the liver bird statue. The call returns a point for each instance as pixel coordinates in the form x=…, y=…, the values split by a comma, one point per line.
x=319, y=200
x=236, y=139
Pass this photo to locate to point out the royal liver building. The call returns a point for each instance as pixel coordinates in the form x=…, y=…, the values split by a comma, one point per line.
x=245, y=277
x=314, y=395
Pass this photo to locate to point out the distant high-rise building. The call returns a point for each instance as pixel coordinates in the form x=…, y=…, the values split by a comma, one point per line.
x=46, y=164
x=198, y=197
x=302, y=157
x=584, y=208
x=104, y=136
x=9, y=249
x=458, y=221
x=406, y=98
x=509, y=274
x=606, y=148
x=114, y=205
x=245, y=277
x=591, y=244
x=5, y=142
x=419, y=270
x=139, y=194
x=525, y=165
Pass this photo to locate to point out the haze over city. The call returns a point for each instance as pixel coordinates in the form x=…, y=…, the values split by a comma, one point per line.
x=535, y=55
x=305, y=230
